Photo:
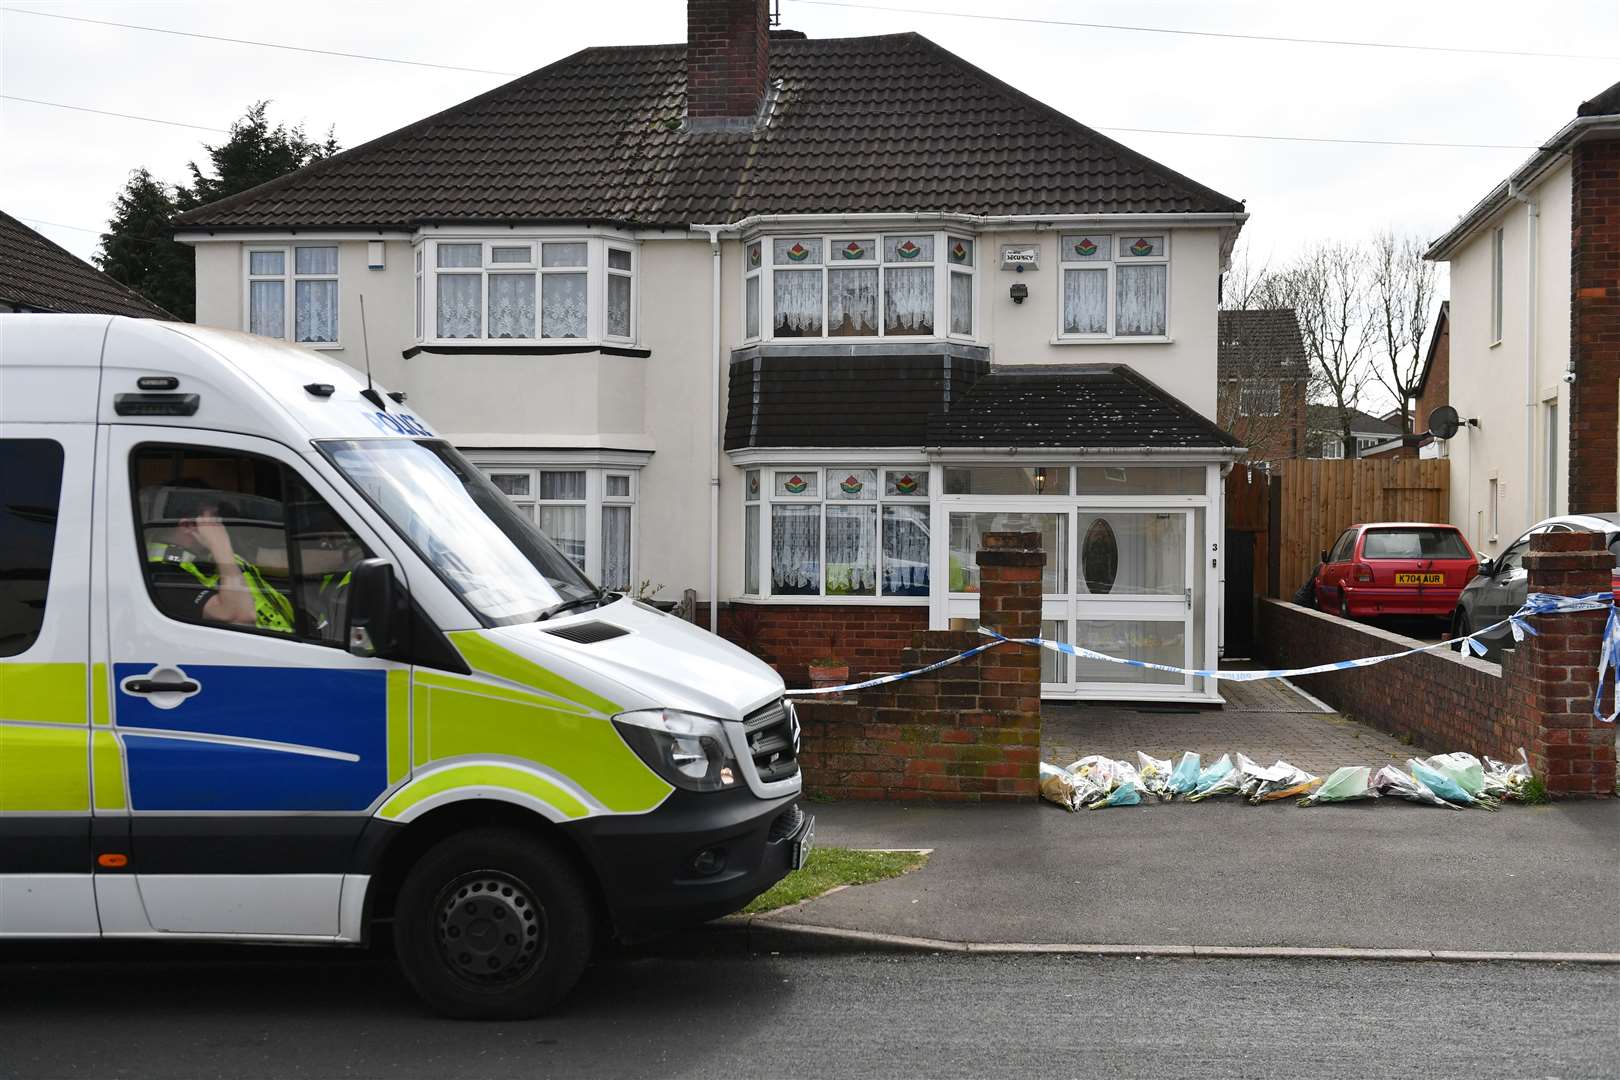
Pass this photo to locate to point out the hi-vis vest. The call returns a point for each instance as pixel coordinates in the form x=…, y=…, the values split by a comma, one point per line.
x=271, y=610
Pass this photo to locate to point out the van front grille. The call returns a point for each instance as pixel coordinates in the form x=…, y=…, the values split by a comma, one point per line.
x=773, y=741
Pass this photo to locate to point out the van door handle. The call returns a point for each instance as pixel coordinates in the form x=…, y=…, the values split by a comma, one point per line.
x=153, y=686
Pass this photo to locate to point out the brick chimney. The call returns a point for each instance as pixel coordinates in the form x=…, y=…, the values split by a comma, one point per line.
x=727, y=59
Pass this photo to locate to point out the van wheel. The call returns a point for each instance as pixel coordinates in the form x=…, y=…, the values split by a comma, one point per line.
x=492, y=925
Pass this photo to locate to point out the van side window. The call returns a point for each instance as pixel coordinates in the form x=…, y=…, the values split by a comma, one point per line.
x=30, y=497
x=241, y=541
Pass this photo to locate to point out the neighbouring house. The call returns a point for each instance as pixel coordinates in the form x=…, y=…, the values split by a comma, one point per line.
x=1324, y=434
x=1433, y=390
x=791, y=323
x=39, y=276
x=1535, y=325
x=1264, y=376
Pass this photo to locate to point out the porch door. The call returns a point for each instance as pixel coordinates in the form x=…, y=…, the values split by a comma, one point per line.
x=1132, y=598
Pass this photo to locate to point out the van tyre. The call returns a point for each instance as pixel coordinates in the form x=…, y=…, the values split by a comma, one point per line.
x=492, y=925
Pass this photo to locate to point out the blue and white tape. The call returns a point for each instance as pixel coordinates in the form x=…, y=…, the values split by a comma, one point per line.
x=1535, y=604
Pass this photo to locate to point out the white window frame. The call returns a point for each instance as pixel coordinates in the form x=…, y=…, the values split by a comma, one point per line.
x=1549, y=447
x=768, y=496
x=289, y=278
x=1110, y=267
x=940, y=263
x=595, y=500
x=971, y=270
x=596, y=273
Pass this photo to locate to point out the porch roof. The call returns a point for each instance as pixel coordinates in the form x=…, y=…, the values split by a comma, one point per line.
x=1098, y=406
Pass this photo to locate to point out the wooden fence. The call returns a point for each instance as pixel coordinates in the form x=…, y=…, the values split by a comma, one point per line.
x=1318, y=500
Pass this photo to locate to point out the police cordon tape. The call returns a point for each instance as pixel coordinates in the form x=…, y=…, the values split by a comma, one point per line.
x=1608, y=668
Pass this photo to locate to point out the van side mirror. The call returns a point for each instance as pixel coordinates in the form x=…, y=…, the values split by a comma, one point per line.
x=373, y=606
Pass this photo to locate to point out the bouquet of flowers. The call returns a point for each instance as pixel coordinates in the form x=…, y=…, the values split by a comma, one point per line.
x=1059, y=786
x=1185, y=777
x=1443, y=784
x=1095, y=776
x=1280, y=781
x=1464, y=769
x=1504, y=781
x=1220, y=778
x=1344, y=784
x=1391, y=781
x=1123, y=795
x=1155, y=774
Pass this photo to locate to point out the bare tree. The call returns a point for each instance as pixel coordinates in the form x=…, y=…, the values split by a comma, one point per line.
x=1401, y=288
x=1327, y=286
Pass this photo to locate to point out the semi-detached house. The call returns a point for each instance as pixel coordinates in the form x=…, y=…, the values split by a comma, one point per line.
x=791, y=323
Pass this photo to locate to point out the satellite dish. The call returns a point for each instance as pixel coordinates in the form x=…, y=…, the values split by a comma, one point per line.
x=1444, y=422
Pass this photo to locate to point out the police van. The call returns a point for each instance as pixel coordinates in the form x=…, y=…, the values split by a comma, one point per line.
x=277, y=664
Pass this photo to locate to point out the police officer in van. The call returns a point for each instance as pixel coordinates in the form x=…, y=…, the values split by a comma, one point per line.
x=196, y=573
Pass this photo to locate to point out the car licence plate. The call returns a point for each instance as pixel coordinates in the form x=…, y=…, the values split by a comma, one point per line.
x=806, y=841
x=1420, y=579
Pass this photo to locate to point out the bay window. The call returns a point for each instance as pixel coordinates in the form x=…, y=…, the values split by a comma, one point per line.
x=1114, y=285
x=589, y=513
x=853, y=285
x=292, y=292
x=836, y=532
x=525, y=290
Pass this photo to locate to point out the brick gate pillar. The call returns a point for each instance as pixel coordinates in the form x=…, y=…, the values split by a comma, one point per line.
x=1554, y=673
x=1010, y=567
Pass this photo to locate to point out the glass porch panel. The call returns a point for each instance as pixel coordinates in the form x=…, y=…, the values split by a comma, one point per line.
x=1157, y=642
x=1007, y=480
x=968, y=529
x=1131, y=554
x=1054, y=665
x=1139, y=480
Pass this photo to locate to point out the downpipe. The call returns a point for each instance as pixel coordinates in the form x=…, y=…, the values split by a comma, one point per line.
x=714, y=431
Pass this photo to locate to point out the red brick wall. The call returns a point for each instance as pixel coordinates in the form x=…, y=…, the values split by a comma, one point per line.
x=1437, y=387
x=970, y=732
x=1539, y=699
x=727, y=56
x=788, y=636
x=1594, y=330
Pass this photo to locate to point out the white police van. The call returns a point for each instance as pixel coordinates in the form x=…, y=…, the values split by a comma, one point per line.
x=278, y=664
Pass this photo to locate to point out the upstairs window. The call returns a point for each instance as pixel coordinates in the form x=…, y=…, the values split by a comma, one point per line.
x=1114, y=285
x=292, y=292
x=517, y=290
x=858, y=285
x=1260, y=399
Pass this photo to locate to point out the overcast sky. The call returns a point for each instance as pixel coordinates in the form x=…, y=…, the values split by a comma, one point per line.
x=65, y=167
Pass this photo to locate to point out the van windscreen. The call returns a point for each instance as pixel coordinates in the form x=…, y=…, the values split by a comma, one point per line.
x=1414, y=544
x=484, y=548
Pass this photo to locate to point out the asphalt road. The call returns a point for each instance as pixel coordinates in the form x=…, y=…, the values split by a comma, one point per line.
x=263, y=1013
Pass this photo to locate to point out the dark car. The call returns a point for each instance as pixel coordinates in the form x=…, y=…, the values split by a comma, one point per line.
x=1502, y=583
x=1395, y=568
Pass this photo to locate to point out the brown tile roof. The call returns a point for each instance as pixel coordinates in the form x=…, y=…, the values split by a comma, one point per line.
x=873, y=124
x=41, y=276
x=1260, y=343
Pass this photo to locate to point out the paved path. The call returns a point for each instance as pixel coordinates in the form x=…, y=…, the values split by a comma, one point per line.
x=280, y=1014
x=1384, y=874
x=1266, y=721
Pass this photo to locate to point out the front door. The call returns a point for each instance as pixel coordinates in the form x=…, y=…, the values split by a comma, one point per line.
x=1133, y=598
x=254, y=743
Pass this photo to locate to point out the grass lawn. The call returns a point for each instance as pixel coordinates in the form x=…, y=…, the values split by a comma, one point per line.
x=828, y=868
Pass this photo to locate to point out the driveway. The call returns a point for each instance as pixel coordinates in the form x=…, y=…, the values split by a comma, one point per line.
x=1265, y=720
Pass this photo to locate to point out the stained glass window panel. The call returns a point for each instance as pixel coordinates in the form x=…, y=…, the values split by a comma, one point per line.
x=959, y=250
x=908, y=249
x=803, y=483
x=852, y=484
x=1141, y=247
x=905, y=483
x=805, y=251
x=860, y=249
x=1087, y=247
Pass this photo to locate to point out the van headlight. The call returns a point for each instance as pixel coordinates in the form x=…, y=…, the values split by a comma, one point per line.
x=689, y=751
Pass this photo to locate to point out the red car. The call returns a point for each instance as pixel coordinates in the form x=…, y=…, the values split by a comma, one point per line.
x=1395, y=568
